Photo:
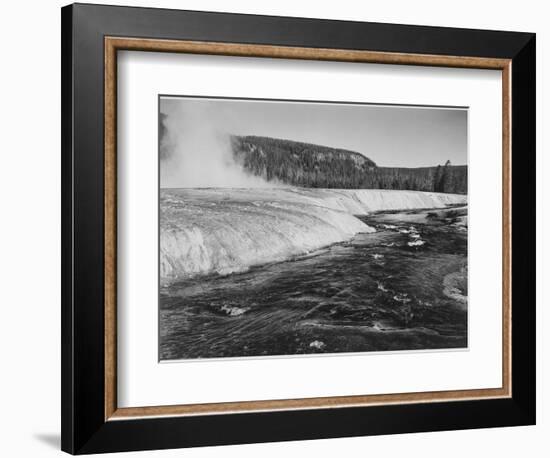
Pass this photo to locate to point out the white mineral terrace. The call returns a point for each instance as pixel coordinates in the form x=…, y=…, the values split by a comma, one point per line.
x=224, y=231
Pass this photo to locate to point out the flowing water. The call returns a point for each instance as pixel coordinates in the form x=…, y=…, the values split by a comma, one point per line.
x=403, y=287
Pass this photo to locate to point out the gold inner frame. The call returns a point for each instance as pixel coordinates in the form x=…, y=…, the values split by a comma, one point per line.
x=114, y=44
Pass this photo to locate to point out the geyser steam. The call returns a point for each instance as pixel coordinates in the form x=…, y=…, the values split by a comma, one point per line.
x=195, y=147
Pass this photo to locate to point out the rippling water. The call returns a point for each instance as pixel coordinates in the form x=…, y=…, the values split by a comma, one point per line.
x=401, y=288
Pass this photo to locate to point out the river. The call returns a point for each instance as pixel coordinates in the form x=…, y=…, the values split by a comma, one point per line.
x=403, y=287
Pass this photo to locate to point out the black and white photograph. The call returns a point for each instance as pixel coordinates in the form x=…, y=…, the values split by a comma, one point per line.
x=299, y=227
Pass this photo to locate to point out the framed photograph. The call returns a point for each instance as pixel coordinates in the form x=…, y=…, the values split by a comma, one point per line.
x=281, y=228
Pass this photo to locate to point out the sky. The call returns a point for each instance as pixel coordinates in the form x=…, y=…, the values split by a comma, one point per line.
x=197, y=130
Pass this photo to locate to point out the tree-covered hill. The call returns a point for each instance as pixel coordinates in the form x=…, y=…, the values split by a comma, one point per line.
x=316, y=166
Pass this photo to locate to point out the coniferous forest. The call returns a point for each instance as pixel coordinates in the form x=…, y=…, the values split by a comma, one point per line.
x=316, y=166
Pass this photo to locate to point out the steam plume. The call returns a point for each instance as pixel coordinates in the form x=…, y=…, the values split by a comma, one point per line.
x=195, y=147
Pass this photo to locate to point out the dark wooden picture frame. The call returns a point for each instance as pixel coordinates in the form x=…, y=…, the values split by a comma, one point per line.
x=91, y=37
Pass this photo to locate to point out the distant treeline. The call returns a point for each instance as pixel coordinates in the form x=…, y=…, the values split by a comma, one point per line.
x=315, y=166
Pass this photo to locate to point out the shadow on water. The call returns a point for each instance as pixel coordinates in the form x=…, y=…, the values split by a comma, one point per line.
x=401, y=288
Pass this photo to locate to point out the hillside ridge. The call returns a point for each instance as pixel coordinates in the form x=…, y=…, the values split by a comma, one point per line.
x=317, y=166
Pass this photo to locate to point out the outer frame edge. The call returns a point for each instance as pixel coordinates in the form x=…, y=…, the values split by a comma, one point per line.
x=67, y=382
x=524, y=256
x=99, y=441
